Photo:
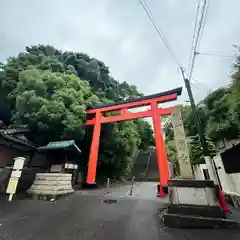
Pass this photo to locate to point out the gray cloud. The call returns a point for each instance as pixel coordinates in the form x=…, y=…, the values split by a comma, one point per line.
x=119, y=33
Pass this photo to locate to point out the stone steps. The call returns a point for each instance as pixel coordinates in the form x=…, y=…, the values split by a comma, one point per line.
x=200, y=211
x=195, y=204
x=186, y=221
x=51, y=184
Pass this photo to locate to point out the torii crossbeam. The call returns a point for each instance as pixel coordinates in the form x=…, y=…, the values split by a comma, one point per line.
x=155, y=112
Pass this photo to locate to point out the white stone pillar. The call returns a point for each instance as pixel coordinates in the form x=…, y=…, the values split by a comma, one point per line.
x=181, y=144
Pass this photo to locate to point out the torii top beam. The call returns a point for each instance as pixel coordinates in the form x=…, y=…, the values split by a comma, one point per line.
x=162, y=97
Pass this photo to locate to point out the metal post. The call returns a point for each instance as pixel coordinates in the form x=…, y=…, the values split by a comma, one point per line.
x=108, y=183
x=131, y=190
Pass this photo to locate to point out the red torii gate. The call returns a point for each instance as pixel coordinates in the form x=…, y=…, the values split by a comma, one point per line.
x=155, y=112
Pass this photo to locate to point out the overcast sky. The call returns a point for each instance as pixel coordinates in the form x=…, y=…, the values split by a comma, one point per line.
x=119, y=33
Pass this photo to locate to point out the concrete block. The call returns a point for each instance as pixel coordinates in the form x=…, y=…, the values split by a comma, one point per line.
x=194, y=204
x=197, y=210
x=185, y=221
x=193, y=192
x=51, y=184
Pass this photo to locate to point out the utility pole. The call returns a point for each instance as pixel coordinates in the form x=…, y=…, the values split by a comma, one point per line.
x=197, y=119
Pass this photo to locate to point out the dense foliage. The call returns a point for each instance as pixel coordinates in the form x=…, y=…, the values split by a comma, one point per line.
x=49, y=90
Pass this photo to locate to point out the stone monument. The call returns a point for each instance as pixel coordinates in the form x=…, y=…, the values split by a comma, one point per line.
x=192, y=203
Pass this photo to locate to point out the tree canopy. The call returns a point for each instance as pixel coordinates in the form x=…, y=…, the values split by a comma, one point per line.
x=49, y=90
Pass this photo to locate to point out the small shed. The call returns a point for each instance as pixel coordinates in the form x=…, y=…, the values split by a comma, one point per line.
x=64, y=156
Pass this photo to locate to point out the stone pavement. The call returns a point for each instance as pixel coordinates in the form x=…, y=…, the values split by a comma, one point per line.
x=84, y=216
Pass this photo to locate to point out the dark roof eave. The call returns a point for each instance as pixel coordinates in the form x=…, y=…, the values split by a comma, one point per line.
x=178, y=91
x=18, y=141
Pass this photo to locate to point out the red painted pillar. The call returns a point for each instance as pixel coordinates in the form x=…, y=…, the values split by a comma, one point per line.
x=160, y=148
x=92, y=163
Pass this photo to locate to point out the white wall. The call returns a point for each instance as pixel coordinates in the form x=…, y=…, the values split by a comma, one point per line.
x=230, y=182
x=211, y=170
x=224, y=144
x=198, y=171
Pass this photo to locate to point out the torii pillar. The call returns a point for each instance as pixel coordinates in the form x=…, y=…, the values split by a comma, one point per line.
x=155, y=112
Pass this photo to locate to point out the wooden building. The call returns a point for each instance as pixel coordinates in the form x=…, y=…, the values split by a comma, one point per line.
x=13, y=143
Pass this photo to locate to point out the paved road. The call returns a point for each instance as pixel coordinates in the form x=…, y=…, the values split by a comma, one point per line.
x=84, y=216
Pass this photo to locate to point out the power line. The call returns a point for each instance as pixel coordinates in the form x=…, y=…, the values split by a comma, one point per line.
x=204, y=21
x=202, y=89
x=194, y=34
x=201, y=85
x=186, y=81
x=192, y=84
x=200, y=25
x=157, y=28
x=160, y=33
x=214, y=54
x=183, y=70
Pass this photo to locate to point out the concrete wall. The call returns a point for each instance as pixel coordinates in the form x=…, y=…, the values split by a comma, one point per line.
x=222, y=174
x=230, y=182
x=224, y=144
x=234, y=182
x=199, y=171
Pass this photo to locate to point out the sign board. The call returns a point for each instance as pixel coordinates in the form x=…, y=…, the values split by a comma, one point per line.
x=12, y=185
x=71, y=166
x=18, y=163
x=181, y=144
x=56, y=168
x=16, y=174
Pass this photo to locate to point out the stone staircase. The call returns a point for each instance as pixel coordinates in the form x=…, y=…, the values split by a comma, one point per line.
x=145, y=167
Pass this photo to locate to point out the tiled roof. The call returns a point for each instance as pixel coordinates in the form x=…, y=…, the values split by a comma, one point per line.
x=16, y=139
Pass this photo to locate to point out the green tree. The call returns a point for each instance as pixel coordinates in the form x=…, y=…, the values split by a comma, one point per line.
x=172, y=156
x=235, y=92
x=53, y=104
x=196, y=152
x=49, y=90
x=46, y=57
x=145, y=133
x=221, y=122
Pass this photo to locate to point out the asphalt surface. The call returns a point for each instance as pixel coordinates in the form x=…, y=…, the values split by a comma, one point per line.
x=83, y=215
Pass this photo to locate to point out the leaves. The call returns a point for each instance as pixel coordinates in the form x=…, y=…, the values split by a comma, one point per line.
x=50, y=102
x=49, y=90
x=222, y=122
